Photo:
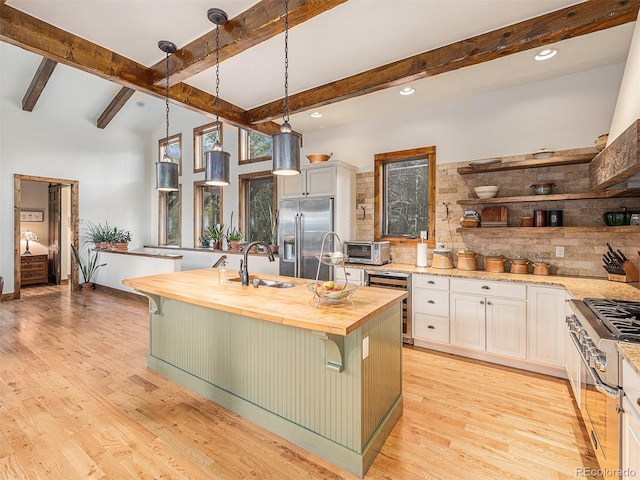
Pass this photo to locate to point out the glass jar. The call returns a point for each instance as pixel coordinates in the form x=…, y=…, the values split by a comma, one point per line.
x=222, y=273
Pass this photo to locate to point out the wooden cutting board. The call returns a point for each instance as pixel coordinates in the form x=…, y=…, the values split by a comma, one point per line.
x=494, y=217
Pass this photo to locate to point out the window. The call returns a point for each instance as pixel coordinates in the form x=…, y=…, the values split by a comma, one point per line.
x=405, y=195
x=257, y=199
x=203, y=139
x=207, y=207
x=174, y=150
x=169, y=218
x=253, y=147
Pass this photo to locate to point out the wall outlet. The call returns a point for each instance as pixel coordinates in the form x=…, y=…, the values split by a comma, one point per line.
x=560, y=252
x=365, y=347
x=423, y=234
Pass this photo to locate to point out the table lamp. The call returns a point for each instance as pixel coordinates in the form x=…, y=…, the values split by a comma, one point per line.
x=28, y=235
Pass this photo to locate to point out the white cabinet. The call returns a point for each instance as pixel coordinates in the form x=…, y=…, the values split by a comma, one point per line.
x=547, y=325
x=356, y=275
x=490, y=323
x=317, y=180
x=630, y=419
x=430, y=300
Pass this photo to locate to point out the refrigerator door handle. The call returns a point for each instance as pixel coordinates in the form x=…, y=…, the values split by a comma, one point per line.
x=297, y=246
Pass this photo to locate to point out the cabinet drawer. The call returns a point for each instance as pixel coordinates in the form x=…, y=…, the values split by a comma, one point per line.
x=631, y=385
x=430, y=327
x=431, y=302
x=431, y=281
x=493, y=289
x=356, y=275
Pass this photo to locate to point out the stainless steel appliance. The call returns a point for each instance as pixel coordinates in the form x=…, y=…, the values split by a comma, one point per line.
x=402, y=281
x=595, y=328
x=303, y=223
x=369, y=253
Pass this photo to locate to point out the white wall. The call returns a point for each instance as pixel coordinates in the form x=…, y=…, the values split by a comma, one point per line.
x=627, y=108
x=560, y=113
x=110, y=165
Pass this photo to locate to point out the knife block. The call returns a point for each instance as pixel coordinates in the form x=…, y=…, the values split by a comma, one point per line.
x=631, y=274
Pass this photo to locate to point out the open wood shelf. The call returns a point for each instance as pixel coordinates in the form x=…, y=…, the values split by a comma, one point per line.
x=529, y=163
x=547, y=230
x=629, y=192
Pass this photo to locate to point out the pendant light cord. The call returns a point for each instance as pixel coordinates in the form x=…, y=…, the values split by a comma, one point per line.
x=285, y=115
x=217, y=72
x=166, y=148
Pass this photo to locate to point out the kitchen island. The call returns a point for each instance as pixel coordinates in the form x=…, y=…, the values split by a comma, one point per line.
x=328, y=379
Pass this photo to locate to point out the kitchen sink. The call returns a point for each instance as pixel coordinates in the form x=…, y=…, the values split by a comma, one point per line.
x=259, y=282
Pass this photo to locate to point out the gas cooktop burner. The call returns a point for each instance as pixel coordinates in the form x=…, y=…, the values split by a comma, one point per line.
x=621, y=317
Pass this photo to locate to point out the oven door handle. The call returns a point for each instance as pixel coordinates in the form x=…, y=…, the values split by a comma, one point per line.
x=597, y=383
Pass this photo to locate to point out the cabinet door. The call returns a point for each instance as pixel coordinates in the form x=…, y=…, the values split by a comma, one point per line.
x=546, y=325
x=630, y=438
x=430, y=328
x=321, y=182
x=467, y=321
x=292, y=186
x=431, y=302
x=356, y=275
x=506, y=327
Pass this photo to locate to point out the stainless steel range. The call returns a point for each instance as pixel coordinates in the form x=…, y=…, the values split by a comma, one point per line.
x=595, y=329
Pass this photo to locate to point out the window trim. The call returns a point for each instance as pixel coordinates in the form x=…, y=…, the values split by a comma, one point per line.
x=198, y=224
x=242, y=194
x=380, y=160
x=172, y=138
x=243, y=148
x=162, y=217
x=197, y=142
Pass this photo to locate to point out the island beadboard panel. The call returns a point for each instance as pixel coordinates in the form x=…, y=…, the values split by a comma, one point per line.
x=583, y=247
x=275, y=375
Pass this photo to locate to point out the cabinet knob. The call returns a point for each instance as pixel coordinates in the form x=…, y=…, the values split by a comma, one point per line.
x=481, y=302
x=486, y=287
x=488, y=303
x=431, y=282
x=347, y=274
x=430, y=301
x=638, y=401
x=433, y=328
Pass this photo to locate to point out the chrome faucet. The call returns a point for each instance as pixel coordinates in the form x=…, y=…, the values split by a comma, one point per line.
x=244, y=271
x=219, y=261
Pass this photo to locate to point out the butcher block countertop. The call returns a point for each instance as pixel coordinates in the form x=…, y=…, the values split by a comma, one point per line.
x=578, y=287
x=293, y=306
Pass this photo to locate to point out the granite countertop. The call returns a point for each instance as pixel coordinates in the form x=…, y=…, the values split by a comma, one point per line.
x=289, y=306
x=631, y=352
x=578, y=287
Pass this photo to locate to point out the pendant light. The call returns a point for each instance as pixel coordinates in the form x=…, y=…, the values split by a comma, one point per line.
x=166, y=170
x=286, y=143
x=216, y=161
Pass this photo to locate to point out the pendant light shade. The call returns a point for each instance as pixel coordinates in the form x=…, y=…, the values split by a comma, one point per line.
x=286, y=143
x=167, y=170
x=216, y=161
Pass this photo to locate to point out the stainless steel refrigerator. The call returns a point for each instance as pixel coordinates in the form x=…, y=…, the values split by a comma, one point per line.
x=303, y=223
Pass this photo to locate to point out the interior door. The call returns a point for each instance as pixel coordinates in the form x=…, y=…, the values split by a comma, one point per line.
x=55, y=212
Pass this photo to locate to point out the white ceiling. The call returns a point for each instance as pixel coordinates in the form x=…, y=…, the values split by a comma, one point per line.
x=350, y=38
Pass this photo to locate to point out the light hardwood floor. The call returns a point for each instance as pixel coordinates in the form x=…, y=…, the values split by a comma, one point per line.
x=78, y=402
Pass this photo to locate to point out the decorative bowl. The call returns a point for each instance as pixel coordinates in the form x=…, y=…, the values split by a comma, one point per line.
x=332, y=292
x=319, y=157
x=542, y=188
x=543, y=153
x=486, y=191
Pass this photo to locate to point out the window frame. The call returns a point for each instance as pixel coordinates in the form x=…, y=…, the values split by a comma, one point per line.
x=162, y=146
x=162, y=217
x=243, y=147
x=243, y=180
x=198, y=224
x=198, y=154
x=380, y=160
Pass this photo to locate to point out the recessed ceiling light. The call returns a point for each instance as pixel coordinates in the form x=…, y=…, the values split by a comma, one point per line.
x=546, y=54
x=316, y=115
x=407, y=91
x=140, y=103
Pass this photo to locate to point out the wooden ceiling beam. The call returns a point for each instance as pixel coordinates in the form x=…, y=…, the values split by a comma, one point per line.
x=114, y=107
x=39, y=81
x=261, y=22
x=41, y=38
x=570, y=22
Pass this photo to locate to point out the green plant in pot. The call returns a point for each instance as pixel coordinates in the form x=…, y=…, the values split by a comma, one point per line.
x=120, y=239
x=216, y=234
x=204, y=241
x=273, y=219
x=99, y=234
x=88, y=268
x=234, y=236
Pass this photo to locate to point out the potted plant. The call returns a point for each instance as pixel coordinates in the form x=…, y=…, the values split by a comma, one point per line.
x=216, y=234
x=204, y=241
x=234, y=236
x=89, y=268
x=98, y=234
x=273, y=219
x=120, y=240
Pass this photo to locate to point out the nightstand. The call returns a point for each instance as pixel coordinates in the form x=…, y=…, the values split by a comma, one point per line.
x=33, y=269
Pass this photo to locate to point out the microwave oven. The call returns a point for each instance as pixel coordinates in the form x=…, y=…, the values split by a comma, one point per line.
x=369, y=253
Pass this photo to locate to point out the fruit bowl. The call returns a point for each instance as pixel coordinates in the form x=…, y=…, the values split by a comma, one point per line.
x=331, y=292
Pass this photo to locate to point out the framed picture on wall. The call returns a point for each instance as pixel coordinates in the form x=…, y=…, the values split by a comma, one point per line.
x=31, y=216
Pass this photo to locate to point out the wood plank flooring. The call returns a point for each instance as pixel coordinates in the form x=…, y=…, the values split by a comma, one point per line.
x=78, y=402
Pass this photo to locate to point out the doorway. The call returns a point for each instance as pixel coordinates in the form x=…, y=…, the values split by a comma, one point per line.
x=58, y=210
